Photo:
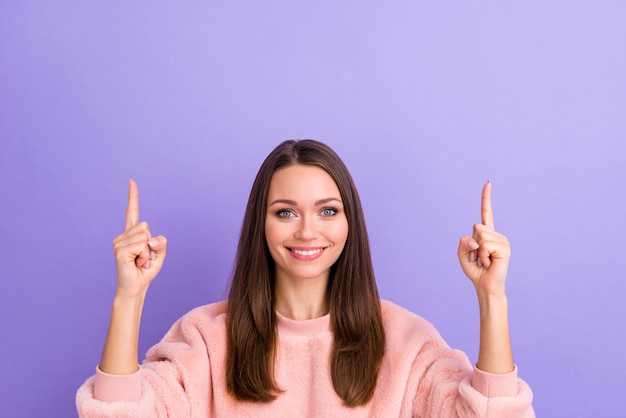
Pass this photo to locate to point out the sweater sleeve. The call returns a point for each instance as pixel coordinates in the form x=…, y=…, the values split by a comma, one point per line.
x=173, y=380
x=440, y=381
x=448, y=386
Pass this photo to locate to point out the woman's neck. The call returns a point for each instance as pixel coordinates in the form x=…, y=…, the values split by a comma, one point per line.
x=301, y=299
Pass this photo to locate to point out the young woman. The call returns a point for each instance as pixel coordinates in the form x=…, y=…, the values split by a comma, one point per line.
x=303, y=332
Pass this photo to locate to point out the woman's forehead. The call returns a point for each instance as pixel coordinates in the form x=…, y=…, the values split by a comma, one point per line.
x=303, y=184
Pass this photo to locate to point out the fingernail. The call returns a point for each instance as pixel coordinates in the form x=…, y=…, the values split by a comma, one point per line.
x=472, y=256
x=153, y=242
x=473, y=245
x=147, y=265
x=152, y=255
x=480, y=263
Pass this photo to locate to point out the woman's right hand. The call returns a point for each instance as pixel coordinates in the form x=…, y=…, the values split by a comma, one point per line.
x=138, y=255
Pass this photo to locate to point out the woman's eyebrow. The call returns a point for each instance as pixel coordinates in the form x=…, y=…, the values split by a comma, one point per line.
x=328, y=199
x=294, y=203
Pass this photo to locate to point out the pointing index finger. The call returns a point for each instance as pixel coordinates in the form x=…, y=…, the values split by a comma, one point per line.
x=132, y=210
x=486, y=214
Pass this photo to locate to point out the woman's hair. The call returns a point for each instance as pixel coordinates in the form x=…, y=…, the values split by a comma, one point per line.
x=356, y=319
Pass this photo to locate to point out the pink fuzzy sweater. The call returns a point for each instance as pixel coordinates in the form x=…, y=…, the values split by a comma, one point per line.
x=184, y=376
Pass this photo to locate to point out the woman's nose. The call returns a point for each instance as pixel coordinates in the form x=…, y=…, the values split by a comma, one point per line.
x=307, y=229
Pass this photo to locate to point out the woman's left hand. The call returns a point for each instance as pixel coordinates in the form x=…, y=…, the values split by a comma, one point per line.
x=484, y=256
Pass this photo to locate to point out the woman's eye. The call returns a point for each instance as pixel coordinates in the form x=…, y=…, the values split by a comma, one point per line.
x=284, y=213
x=329, y=211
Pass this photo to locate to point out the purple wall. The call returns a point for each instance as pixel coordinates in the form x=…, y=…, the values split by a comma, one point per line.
x=424, y=102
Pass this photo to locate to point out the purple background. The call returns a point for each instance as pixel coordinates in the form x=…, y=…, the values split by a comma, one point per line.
x=424, y=102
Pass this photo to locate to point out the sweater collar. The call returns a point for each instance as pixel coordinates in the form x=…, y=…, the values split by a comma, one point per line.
x=307, y=327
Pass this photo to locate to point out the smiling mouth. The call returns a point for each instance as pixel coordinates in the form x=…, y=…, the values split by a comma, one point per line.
x=306, y=253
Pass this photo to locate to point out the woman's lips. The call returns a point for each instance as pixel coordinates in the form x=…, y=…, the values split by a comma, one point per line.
x=306, y=253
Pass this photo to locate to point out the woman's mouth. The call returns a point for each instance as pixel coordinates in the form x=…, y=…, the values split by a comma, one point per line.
x=306, y=253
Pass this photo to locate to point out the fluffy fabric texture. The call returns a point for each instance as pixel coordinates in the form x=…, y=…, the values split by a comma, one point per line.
x=184, y=376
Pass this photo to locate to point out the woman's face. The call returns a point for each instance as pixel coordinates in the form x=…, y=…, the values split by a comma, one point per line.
x=305, y=225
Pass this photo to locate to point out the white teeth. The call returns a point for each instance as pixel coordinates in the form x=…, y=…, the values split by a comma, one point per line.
x=307, y=252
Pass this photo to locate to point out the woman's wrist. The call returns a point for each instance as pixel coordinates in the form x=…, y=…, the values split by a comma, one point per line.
x=494, y=306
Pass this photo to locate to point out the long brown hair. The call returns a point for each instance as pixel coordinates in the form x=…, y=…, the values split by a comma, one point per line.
x=356, y=319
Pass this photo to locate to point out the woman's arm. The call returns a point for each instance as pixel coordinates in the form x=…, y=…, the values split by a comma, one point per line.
x=139, y=258
x=484, y=258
